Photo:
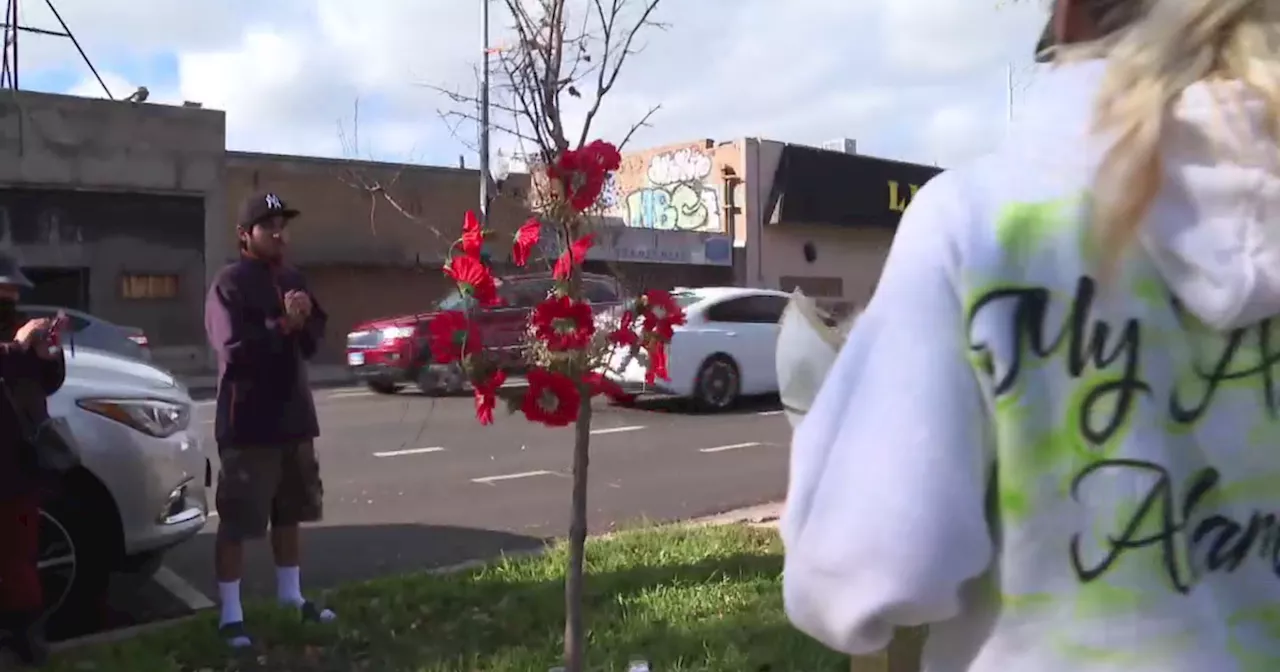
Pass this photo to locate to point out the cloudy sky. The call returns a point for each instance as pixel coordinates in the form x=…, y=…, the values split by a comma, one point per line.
x=917, y=80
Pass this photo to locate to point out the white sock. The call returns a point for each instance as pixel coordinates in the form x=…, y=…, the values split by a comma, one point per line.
x=289, y=586
x=229, y=596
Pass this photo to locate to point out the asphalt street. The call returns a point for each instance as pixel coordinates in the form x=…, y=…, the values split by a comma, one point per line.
x=414, y=482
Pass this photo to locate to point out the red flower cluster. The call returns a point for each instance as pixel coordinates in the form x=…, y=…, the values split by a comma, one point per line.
x=659, y=316
x=452, y=337
x=552, y=398
x=582, y=172
x=560, y=322
x=563, y=324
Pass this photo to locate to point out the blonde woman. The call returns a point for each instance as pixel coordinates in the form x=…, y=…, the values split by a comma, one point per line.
x=1054, y=435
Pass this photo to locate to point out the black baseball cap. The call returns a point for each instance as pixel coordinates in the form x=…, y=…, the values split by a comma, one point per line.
x=1109, y=15
x=261, y=207
x=11, y=272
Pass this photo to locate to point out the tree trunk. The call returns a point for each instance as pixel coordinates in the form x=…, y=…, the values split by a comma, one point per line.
x=575, y=638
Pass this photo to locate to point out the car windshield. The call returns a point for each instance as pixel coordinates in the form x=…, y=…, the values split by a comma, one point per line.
x=455, y=300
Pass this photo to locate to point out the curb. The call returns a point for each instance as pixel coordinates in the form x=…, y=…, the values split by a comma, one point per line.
x=121, y=634
x=763, y=515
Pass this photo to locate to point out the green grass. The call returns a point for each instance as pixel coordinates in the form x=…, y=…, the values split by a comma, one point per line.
x=685, y=598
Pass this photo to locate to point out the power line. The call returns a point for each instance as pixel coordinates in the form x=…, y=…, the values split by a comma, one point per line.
x=13, y=28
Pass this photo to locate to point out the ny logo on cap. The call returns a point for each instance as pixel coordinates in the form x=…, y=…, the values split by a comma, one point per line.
x=273, y=202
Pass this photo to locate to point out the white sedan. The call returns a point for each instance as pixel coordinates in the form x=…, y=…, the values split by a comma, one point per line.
x=141, y=486
x=725, y=350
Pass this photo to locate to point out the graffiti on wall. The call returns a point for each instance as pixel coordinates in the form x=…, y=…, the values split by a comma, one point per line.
x=677, y=193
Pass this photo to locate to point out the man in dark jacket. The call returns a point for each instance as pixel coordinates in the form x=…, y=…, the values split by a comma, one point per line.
x=264, y=325
x=32, y=368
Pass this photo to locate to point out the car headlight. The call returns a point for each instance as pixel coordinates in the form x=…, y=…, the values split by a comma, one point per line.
x=393, y=333
x=150, y=416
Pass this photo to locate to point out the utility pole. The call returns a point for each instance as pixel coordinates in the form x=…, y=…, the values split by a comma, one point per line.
x=9, y=43
x=484, y=117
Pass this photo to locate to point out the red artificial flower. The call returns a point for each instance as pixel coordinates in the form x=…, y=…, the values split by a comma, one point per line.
x=486, y=392
x=453, y=336
x=472, y=235
x=573, y=257
x=661, y=313
x=598, y=383
x=526, y=239
x=582, y=172
x=625, y=334
x=551, y=399
x=657, y=369
x=563, y=324
x=473, y=278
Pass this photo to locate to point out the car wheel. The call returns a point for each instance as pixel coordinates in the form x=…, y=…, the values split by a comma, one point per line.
x=74, y=567
x=383, y=387
x=717, y=385
x=450, y=382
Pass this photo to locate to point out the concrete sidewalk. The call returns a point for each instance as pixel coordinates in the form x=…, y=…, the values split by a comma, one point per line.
x=321, y=375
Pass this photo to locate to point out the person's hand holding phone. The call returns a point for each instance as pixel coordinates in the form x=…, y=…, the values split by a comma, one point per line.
x=38, y=335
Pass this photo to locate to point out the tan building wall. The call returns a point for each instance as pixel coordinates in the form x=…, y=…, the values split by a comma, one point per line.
x=363, y=257
x=848, y=260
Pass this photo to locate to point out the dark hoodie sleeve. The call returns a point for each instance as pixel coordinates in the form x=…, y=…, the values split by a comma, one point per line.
x=53, y=372
x=313, y=330
x=239, y=342
x=18, y=361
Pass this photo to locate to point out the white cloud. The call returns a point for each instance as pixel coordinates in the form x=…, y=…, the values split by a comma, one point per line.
x=906, y=78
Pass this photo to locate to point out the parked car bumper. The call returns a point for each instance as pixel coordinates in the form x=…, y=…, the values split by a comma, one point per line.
x=160, y=485
x=380, y=373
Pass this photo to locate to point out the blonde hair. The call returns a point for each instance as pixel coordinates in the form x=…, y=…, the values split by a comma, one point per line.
x=1168, y=46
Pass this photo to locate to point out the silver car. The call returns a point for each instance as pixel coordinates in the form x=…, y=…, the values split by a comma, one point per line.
x=89, y=331
x=142, y=485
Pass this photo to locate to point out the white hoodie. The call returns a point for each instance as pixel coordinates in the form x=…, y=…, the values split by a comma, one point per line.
x=1056, y=475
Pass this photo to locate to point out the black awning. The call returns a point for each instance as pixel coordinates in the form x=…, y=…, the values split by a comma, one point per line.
x=816, y=186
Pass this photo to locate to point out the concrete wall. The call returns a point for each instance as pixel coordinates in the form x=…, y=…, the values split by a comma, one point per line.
x=344, y=223
x=849, y=259
x=68, y=143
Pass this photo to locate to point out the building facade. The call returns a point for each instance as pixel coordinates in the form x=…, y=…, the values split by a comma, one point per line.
x=819, y=220
x=666, y=222
x=372, y=237
x=110, y=208
x=127, y=210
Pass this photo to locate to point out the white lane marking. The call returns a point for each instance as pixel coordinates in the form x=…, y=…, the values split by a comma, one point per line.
x=766, y=413
x=516, y=382
x=732, y=446
x=489, y=480
x=182, y=590
x=349, y=394
x=409, y=451
x=617, y=430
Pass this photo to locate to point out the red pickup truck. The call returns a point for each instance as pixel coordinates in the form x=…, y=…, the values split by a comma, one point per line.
x=391, y=352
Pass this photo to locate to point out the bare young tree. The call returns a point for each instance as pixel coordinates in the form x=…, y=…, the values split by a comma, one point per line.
x=561, y=50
